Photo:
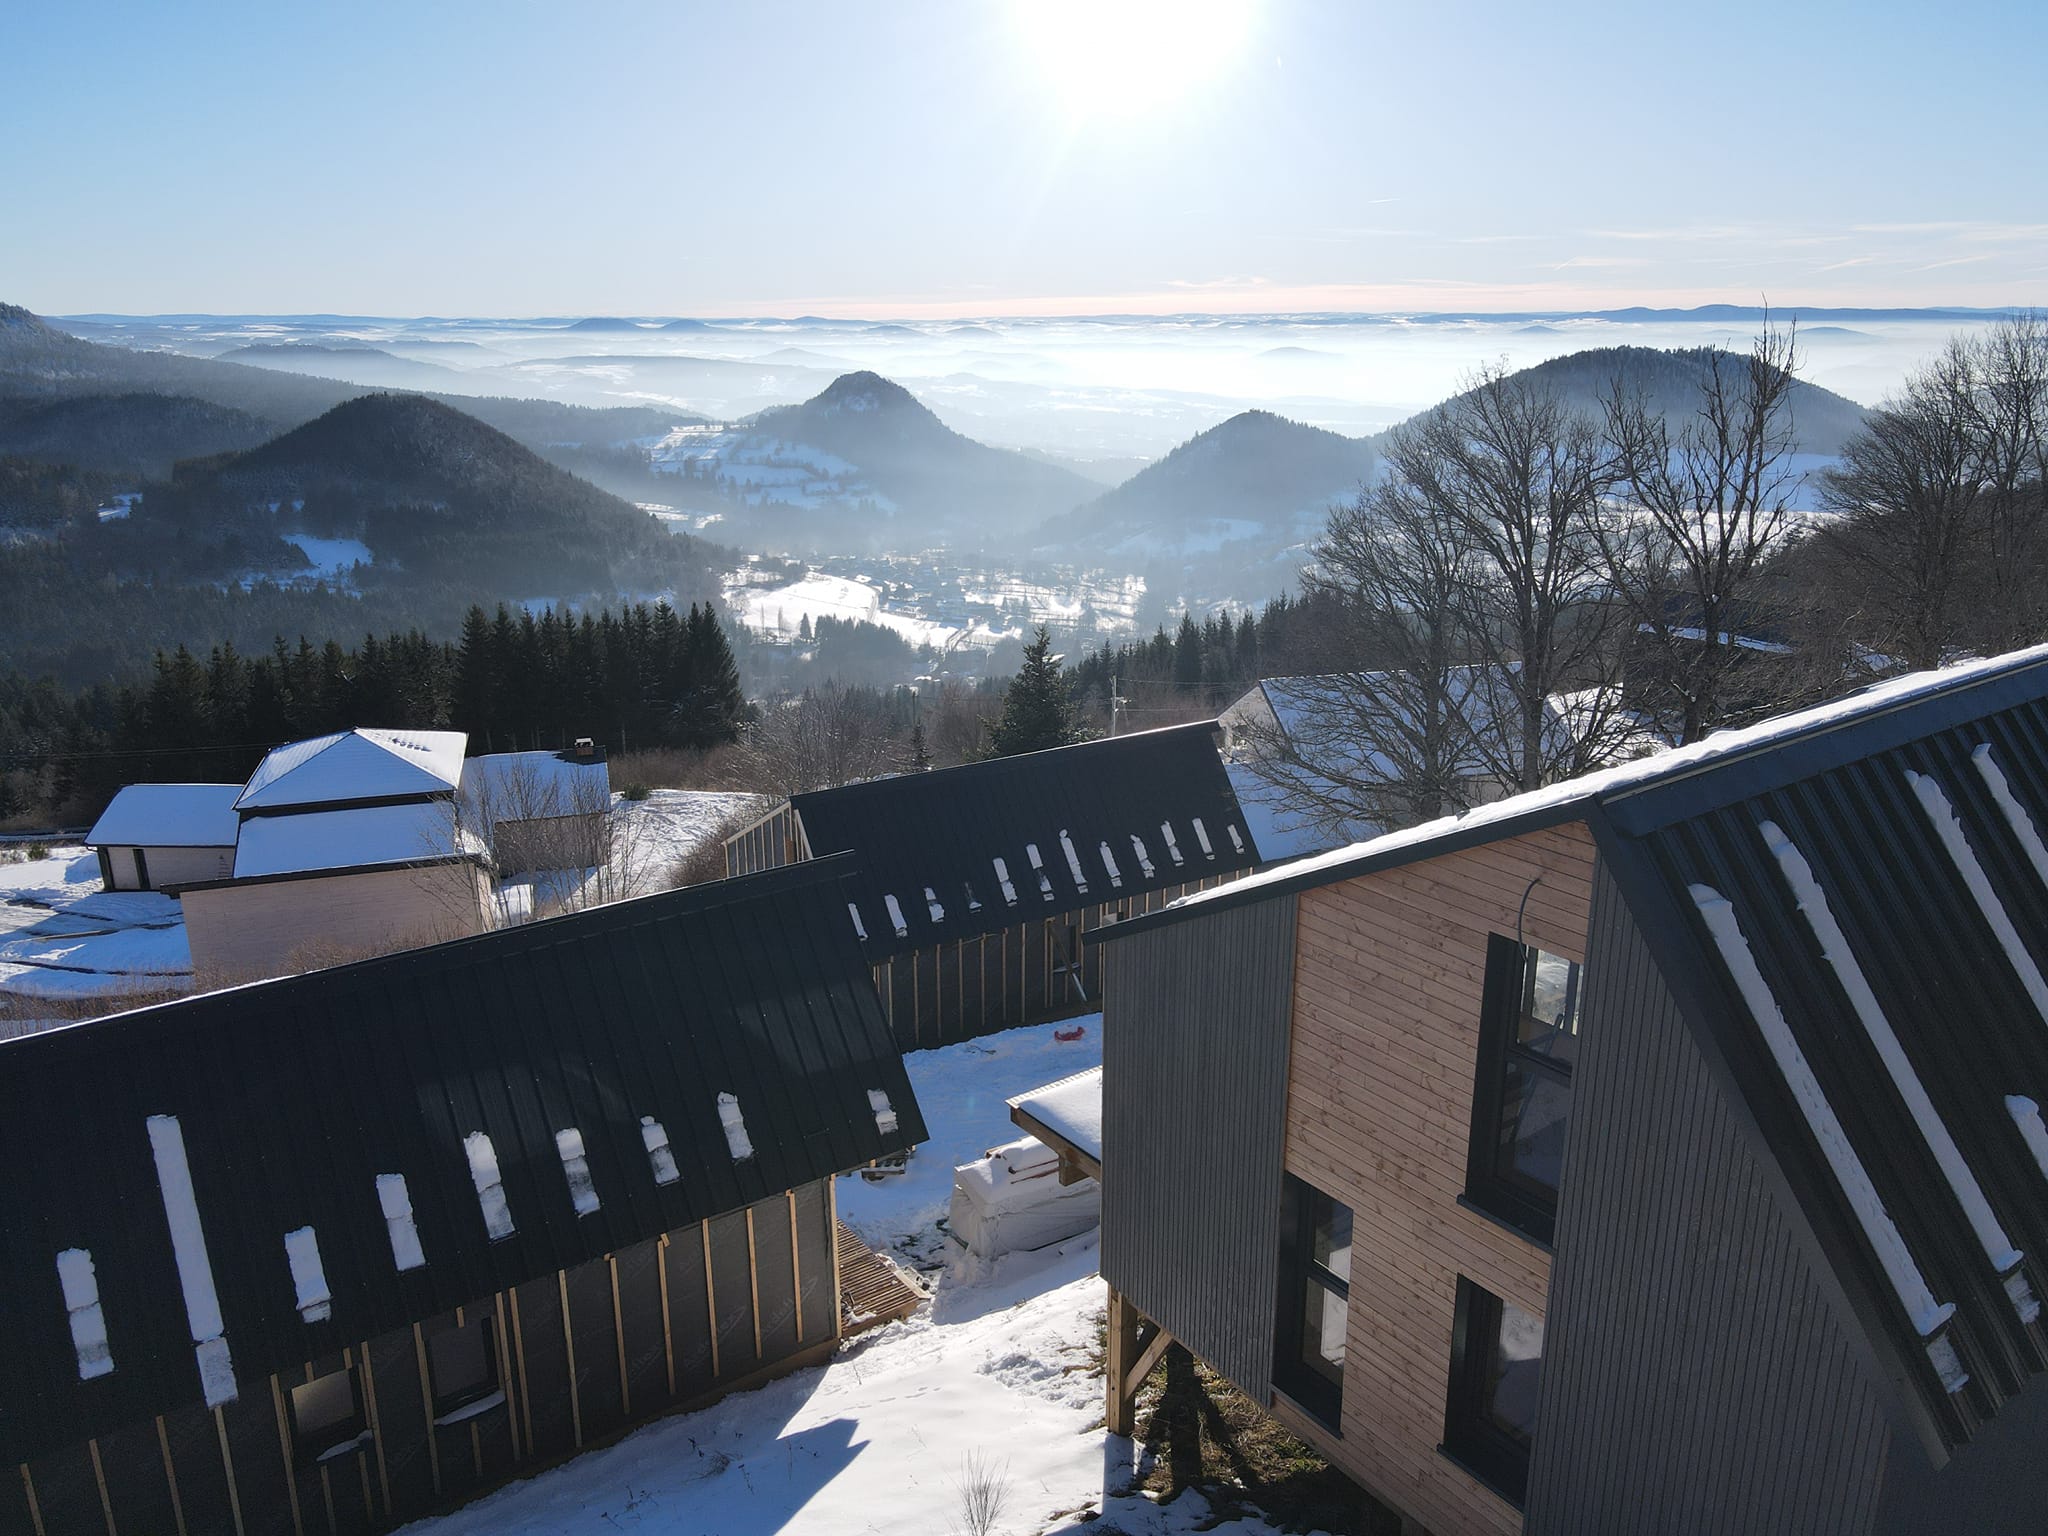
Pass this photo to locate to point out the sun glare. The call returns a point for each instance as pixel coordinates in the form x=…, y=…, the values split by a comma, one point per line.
x=1124, y=57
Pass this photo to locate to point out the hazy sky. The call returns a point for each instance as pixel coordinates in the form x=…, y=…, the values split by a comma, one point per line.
x=1018, y=156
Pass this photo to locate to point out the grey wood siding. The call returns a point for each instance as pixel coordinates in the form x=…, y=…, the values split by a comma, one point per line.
x=1989, y=1487
x=1696, y=1378
x=1195, y=1047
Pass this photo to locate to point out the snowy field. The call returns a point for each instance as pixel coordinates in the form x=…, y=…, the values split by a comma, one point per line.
x=1001, y=1365
x=62, y=937
x=780, y=611
x=656, y=834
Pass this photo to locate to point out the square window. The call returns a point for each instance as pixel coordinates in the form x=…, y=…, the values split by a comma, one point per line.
x=1521, y=1103
x=1315, y=1292
x=1496, y=1378
x=327, y=1416
x=463, y=1365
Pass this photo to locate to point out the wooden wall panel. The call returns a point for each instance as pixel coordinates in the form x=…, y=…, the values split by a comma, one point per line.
x=1390, y=974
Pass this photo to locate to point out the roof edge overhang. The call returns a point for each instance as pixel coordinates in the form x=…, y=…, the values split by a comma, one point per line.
x=1836, y=1254
x=283, y=876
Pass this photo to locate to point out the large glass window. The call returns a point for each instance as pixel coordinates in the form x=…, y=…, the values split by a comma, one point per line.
x=327, y=1416
x=1496, y=1372
x=1315, y=1290
x=1521, y=1106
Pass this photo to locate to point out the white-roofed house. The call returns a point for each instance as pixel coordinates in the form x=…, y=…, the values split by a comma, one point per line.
x=346, y=845
x=157, y=837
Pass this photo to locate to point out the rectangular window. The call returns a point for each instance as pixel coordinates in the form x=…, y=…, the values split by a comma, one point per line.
x=463, y=1365
x=1521, y=1105
x=1315, y=1290
x=327, y=1416
x=1496, y=1372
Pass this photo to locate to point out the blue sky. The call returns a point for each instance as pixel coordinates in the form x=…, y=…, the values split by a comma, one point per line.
x=1017, y=156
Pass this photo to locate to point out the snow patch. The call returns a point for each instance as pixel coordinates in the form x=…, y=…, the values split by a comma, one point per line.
x=896, y=919
x=1116, y=876
x=1144, y=858
x=88, y=1323
x=576, y=1169
x=1172, y=843
x=1202, y=837
x=884, y=1111
x=1003, y=879
x=860, y=928
x=654, y=1136
x=735, y=1127
x=931, y=905
x=396, y=1202
x=195, y=1269
x=1073, y=861
x=309, y=1276
x=490, y=1185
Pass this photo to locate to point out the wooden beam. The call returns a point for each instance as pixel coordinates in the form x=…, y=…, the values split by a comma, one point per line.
x=284, y=1442
x=99, y=1476
x=227, y=1461
x=1148, y=1357
x=668, y=1336
x=519, y=1352
x=35, y=1511
x=376, y=1428
x=710, y=1294
x=1120, y=1414
x=569, y=1344
x=163, y=1442
x=753, y=1282
x=419, y=1353
x=832, y=1238
x=796, y=1266
x=619, y=1333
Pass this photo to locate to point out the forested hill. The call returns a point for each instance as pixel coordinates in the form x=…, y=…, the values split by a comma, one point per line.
x=443, y=497
x=1670, y=382
x=941, y=482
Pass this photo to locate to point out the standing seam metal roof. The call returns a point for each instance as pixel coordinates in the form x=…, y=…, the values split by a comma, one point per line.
x=943, y=831
x=294, y=1095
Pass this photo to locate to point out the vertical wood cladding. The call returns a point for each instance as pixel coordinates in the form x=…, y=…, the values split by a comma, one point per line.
x=1390, y=976
x=234, y=1472
x=1696, y=1379
x=1195, y=1068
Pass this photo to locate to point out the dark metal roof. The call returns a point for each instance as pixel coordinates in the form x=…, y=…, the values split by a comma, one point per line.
x=943, y=832
x=1945, y=984
x=293, y=1096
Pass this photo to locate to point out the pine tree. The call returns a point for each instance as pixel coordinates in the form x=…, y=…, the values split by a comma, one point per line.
x=920, y=759
x=476, y=679
x=1037, y=713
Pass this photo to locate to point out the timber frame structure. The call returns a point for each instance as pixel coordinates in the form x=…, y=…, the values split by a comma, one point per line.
x=1661, y=1150
x=334, y=1252
x=976, y=887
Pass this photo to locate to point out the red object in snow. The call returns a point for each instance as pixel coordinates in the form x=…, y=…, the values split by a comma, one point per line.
x=1070, y=1034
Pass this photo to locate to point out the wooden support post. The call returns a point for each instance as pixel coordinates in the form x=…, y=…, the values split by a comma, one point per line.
x=753, y=1282
x=619, y=1333
x=284, y=1443
x=832, y=1242
x=227, y=1461
x=519, y=1352
x=668, y=1336
x=376, y=1428
x=569, y=1344
x=796, y=1267
x=710, y=1295
x=163, y=1443
x=35, y=1511
x=419, y=1351
x=1120, y=1416
x=99, y=1476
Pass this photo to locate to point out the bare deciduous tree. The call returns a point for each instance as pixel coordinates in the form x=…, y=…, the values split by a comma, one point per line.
x=820, y=739
x=1707, y=504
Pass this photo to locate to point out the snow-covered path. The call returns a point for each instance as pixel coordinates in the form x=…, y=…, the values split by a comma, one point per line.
x=1001, y=1366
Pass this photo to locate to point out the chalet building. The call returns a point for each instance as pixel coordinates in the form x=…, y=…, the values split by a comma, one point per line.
x=973, y=885
x=1661, y=1151
x=157, y=837
x=346, y=845
x=330, y=1253
x=539, y=811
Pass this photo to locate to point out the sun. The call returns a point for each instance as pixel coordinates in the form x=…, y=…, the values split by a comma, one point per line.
x=1127, y=57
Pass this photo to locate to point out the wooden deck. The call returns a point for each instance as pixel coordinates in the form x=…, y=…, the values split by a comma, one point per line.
x=872, y=1291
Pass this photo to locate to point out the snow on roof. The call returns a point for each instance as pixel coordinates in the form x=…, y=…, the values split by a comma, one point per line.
x=1280, y=829
x=524, y=786
x=1070, y=1109
x=362, y=764
x=350, y=839
x=168, y=816
x=1624, y=776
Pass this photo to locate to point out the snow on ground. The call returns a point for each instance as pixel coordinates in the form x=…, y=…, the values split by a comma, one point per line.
x=333, y=557
x=961, y=1089
x=1001, y=1365
x=62, y=936
x=654, y=835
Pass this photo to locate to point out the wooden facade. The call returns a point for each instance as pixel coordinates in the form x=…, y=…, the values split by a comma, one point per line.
x=1389, y=979
x=580, y=1355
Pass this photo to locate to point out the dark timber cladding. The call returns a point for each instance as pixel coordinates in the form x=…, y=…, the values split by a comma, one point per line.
x=1194, y=1125
x=970, y=851
x=614, y=1028
x=1759, y=1411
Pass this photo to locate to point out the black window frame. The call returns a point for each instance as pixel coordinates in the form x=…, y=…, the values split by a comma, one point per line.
x=1488, y=1186
x=447, y=1402
x=141, y=868
x=310, y=1446
x=1472, y=1437
x=1316, y=1394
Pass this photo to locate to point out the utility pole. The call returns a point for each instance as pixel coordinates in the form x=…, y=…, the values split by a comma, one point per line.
x=1114, y=701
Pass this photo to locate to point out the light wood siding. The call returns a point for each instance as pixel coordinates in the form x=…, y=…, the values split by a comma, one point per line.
x=773, y=841
x=1698, y=1379
x=1195, y=1077
x=1390, y=973
x=263, y=928
x=168, y=867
